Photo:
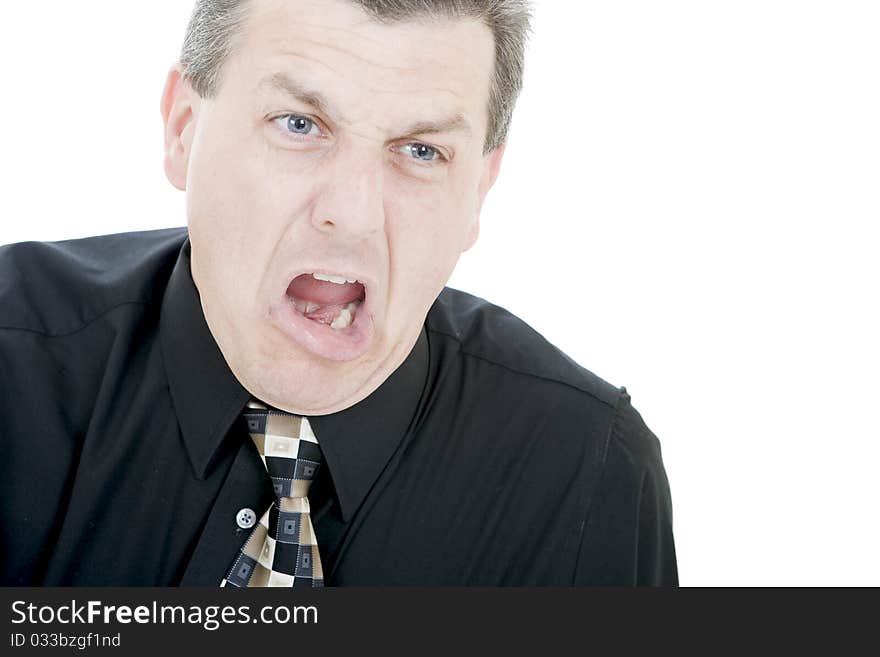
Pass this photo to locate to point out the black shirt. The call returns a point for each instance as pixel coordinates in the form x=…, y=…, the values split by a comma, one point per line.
x=487, y=458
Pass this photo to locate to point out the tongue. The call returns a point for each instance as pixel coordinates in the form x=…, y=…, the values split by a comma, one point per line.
x=307, y=288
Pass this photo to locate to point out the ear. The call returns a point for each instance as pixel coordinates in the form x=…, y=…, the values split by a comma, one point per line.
x=491, y=167
x=178, y=105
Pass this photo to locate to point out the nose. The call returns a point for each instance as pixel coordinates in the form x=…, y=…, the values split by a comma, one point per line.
x=350, y=201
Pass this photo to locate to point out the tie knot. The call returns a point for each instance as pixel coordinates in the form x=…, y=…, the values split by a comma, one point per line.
x=287, y=446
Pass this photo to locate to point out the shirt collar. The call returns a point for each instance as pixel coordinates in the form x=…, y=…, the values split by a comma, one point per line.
x=357, y=442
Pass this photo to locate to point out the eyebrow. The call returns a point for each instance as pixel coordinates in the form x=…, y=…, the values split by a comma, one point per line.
x=284, y=83
x=455, y=123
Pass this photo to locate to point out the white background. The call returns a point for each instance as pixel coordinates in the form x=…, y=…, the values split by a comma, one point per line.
x=688, y=207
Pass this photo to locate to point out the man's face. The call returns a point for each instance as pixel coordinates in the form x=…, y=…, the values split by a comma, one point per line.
x=336, y=146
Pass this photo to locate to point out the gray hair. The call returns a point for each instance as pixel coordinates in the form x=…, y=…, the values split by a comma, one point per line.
x=215, y=29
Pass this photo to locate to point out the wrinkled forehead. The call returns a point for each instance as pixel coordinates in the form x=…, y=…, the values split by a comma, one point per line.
x=335, y=48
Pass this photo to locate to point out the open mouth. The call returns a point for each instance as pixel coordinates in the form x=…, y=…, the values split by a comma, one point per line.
x=327, y=314
x=328, y=299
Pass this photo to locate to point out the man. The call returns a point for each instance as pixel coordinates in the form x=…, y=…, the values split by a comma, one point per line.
x=335, y=155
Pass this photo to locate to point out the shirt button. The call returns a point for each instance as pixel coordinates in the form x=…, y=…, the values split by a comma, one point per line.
x=246, y=518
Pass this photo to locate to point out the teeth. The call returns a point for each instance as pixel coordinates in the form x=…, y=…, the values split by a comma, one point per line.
x=339, y=280
x=343, y=320
x=346, y=316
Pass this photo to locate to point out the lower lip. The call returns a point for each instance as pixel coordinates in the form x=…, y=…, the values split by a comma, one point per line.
x=344, y=344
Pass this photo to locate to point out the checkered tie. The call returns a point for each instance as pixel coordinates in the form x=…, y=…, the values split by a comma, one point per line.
x=281, y=550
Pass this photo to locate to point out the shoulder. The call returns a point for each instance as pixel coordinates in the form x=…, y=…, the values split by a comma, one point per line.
x=54, y=288
x=488, y=332
x=598, y=463
x=638, y=446
x=531, y=372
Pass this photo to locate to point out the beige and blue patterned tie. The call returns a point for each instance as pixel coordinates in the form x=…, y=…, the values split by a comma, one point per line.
x=281, y=550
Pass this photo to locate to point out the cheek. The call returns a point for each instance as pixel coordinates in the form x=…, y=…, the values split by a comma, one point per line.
x=426, y=239
x=240, y=197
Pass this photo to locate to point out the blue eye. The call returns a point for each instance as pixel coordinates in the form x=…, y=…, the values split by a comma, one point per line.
x=294, y=124
x=299, y=124
x=423, y=152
